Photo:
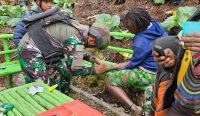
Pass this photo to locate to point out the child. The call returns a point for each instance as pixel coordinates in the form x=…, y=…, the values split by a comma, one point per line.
x=19, y=32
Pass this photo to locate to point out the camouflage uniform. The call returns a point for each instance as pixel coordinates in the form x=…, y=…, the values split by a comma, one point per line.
x=135, y=78
x=33, y=63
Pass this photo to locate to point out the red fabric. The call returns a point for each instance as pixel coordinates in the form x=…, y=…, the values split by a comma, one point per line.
x=76, y=108
x=57, y=111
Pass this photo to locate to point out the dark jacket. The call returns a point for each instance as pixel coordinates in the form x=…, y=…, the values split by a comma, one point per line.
x=20, y=29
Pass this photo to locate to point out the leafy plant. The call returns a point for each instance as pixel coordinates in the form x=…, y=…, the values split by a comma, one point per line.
x=64, y=3
x=180, y=16
x=159, y=1
x=111, y=21
x=10, y=15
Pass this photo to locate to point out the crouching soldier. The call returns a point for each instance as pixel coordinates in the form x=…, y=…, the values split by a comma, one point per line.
x=56, y=41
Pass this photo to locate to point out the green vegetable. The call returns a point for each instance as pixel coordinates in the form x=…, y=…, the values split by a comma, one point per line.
x=169, y=23
x=65, y=5
x=182, y=14
x=11, y=15
x=159, y=1
x=106, y=19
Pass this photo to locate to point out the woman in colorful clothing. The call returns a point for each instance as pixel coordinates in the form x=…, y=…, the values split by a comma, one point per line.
x=139, y=71
x=187, y=96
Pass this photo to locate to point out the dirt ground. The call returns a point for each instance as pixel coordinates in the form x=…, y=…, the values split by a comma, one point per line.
x=84, y=11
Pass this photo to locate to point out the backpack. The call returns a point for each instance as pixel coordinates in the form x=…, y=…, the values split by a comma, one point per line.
x=34, y=25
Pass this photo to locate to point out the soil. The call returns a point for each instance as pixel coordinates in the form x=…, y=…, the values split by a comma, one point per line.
x=84, y=11
x=91, y=103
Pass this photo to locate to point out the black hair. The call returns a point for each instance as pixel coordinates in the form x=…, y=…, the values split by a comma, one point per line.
x=138, y=18
x=40, y=3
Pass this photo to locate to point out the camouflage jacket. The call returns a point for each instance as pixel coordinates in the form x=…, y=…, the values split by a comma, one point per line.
x=66, y=37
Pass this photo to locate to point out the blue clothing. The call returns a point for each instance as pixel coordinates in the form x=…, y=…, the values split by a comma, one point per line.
x=20, y=29
x=142, y=47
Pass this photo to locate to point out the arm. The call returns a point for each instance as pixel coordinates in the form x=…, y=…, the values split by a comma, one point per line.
x=19, y=31
x=137, y=58
x=84, y=71
x=96, y=69
x=92, y=59
x=119, y=66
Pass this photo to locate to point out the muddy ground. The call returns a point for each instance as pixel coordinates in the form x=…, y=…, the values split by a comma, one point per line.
x=84, y=11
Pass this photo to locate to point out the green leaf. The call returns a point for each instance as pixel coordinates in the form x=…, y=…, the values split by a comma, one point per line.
x=169, y=23
x=126, y=55
x=111, y=22
x=3, y=19
x=13, y=22
x=183, y=13
x=116, y=20
x=159, y=1
x=69, y=12
x=64, y=3
x=11, y=15
x=102, y=18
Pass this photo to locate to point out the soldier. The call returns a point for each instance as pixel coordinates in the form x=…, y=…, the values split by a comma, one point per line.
x=55, y=41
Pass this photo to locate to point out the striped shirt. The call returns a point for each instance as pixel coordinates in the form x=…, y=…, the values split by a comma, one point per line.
x=188, y=92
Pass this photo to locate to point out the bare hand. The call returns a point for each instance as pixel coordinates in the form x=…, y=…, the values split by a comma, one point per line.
x=100, y=68
x=192, y=42
x=99, y=62
x=120, y=66
x=167, y=61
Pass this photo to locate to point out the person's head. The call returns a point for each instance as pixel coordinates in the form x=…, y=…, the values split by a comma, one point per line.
x=137, y=20
x=44, y=4
x=98, y=36
x=171, y=42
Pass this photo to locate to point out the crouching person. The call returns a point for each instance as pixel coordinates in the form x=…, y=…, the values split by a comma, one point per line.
x=55, y=41
x=139, y=71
